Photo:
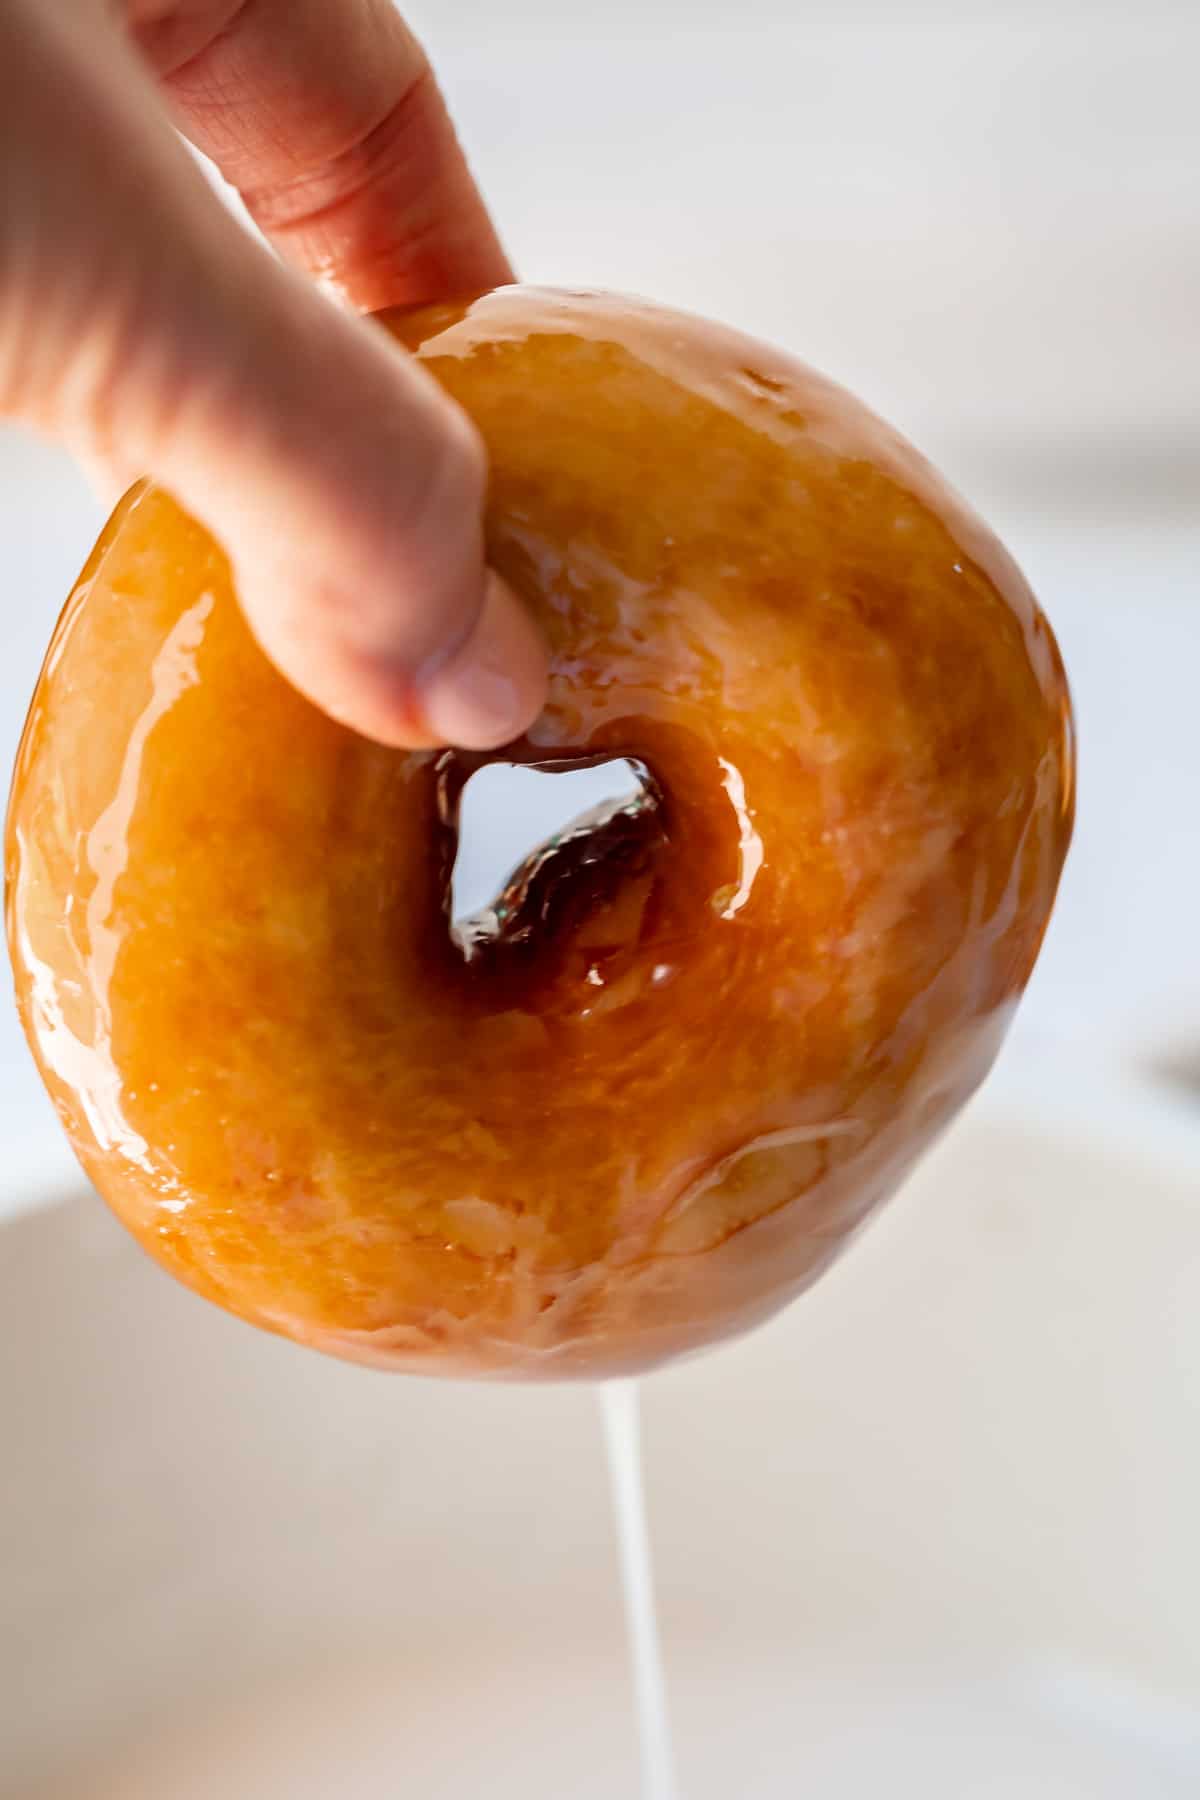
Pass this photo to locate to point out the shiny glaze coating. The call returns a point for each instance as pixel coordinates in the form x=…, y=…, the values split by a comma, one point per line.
x=650, y=1111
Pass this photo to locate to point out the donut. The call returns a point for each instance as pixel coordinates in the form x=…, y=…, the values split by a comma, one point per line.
x=696, y=1041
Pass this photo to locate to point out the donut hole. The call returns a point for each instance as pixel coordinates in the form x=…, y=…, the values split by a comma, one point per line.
x=519, y=824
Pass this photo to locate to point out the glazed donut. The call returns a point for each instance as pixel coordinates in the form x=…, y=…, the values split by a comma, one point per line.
x=643, y=1104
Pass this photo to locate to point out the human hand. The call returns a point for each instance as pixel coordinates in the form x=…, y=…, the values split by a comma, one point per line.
x=141, y=325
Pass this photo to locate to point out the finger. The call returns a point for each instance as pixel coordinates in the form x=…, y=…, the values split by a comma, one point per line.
x=138, y=321
x=327, y=120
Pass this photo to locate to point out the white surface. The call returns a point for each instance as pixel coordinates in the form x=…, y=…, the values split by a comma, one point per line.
x=772, y=1729
x=932, y=1529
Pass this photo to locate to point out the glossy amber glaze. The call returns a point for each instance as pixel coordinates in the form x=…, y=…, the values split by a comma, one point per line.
x=649, y=1112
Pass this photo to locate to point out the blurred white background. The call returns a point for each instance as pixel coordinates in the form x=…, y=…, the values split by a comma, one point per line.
x=980, y=1435
x=982, y=218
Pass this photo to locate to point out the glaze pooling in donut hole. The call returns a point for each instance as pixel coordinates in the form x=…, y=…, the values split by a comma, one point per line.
x=704, y=1038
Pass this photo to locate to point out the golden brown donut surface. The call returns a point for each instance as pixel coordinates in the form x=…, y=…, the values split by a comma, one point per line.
x=709, y=1041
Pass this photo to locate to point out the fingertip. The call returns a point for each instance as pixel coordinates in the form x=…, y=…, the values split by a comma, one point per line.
x=494, y=685
x=488, y=692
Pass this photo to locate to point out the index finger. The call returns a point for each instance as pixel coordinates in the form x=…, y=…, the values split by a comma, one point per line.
x=328, y=121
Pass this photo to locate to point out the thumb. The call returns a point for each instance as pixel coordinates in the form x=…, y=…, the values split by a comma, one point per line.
x=141, y=324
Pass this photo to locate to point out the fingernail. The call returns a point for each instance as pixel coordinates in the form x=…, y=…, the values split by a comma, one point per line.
x=492, y=688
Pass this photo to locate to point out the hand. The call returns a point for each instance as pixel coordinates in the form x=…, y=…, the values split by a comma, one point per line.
x=144, y=327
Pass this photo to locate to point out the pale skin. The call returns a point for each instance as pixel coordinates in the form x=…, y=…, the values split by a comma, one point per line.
x=144, y=328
